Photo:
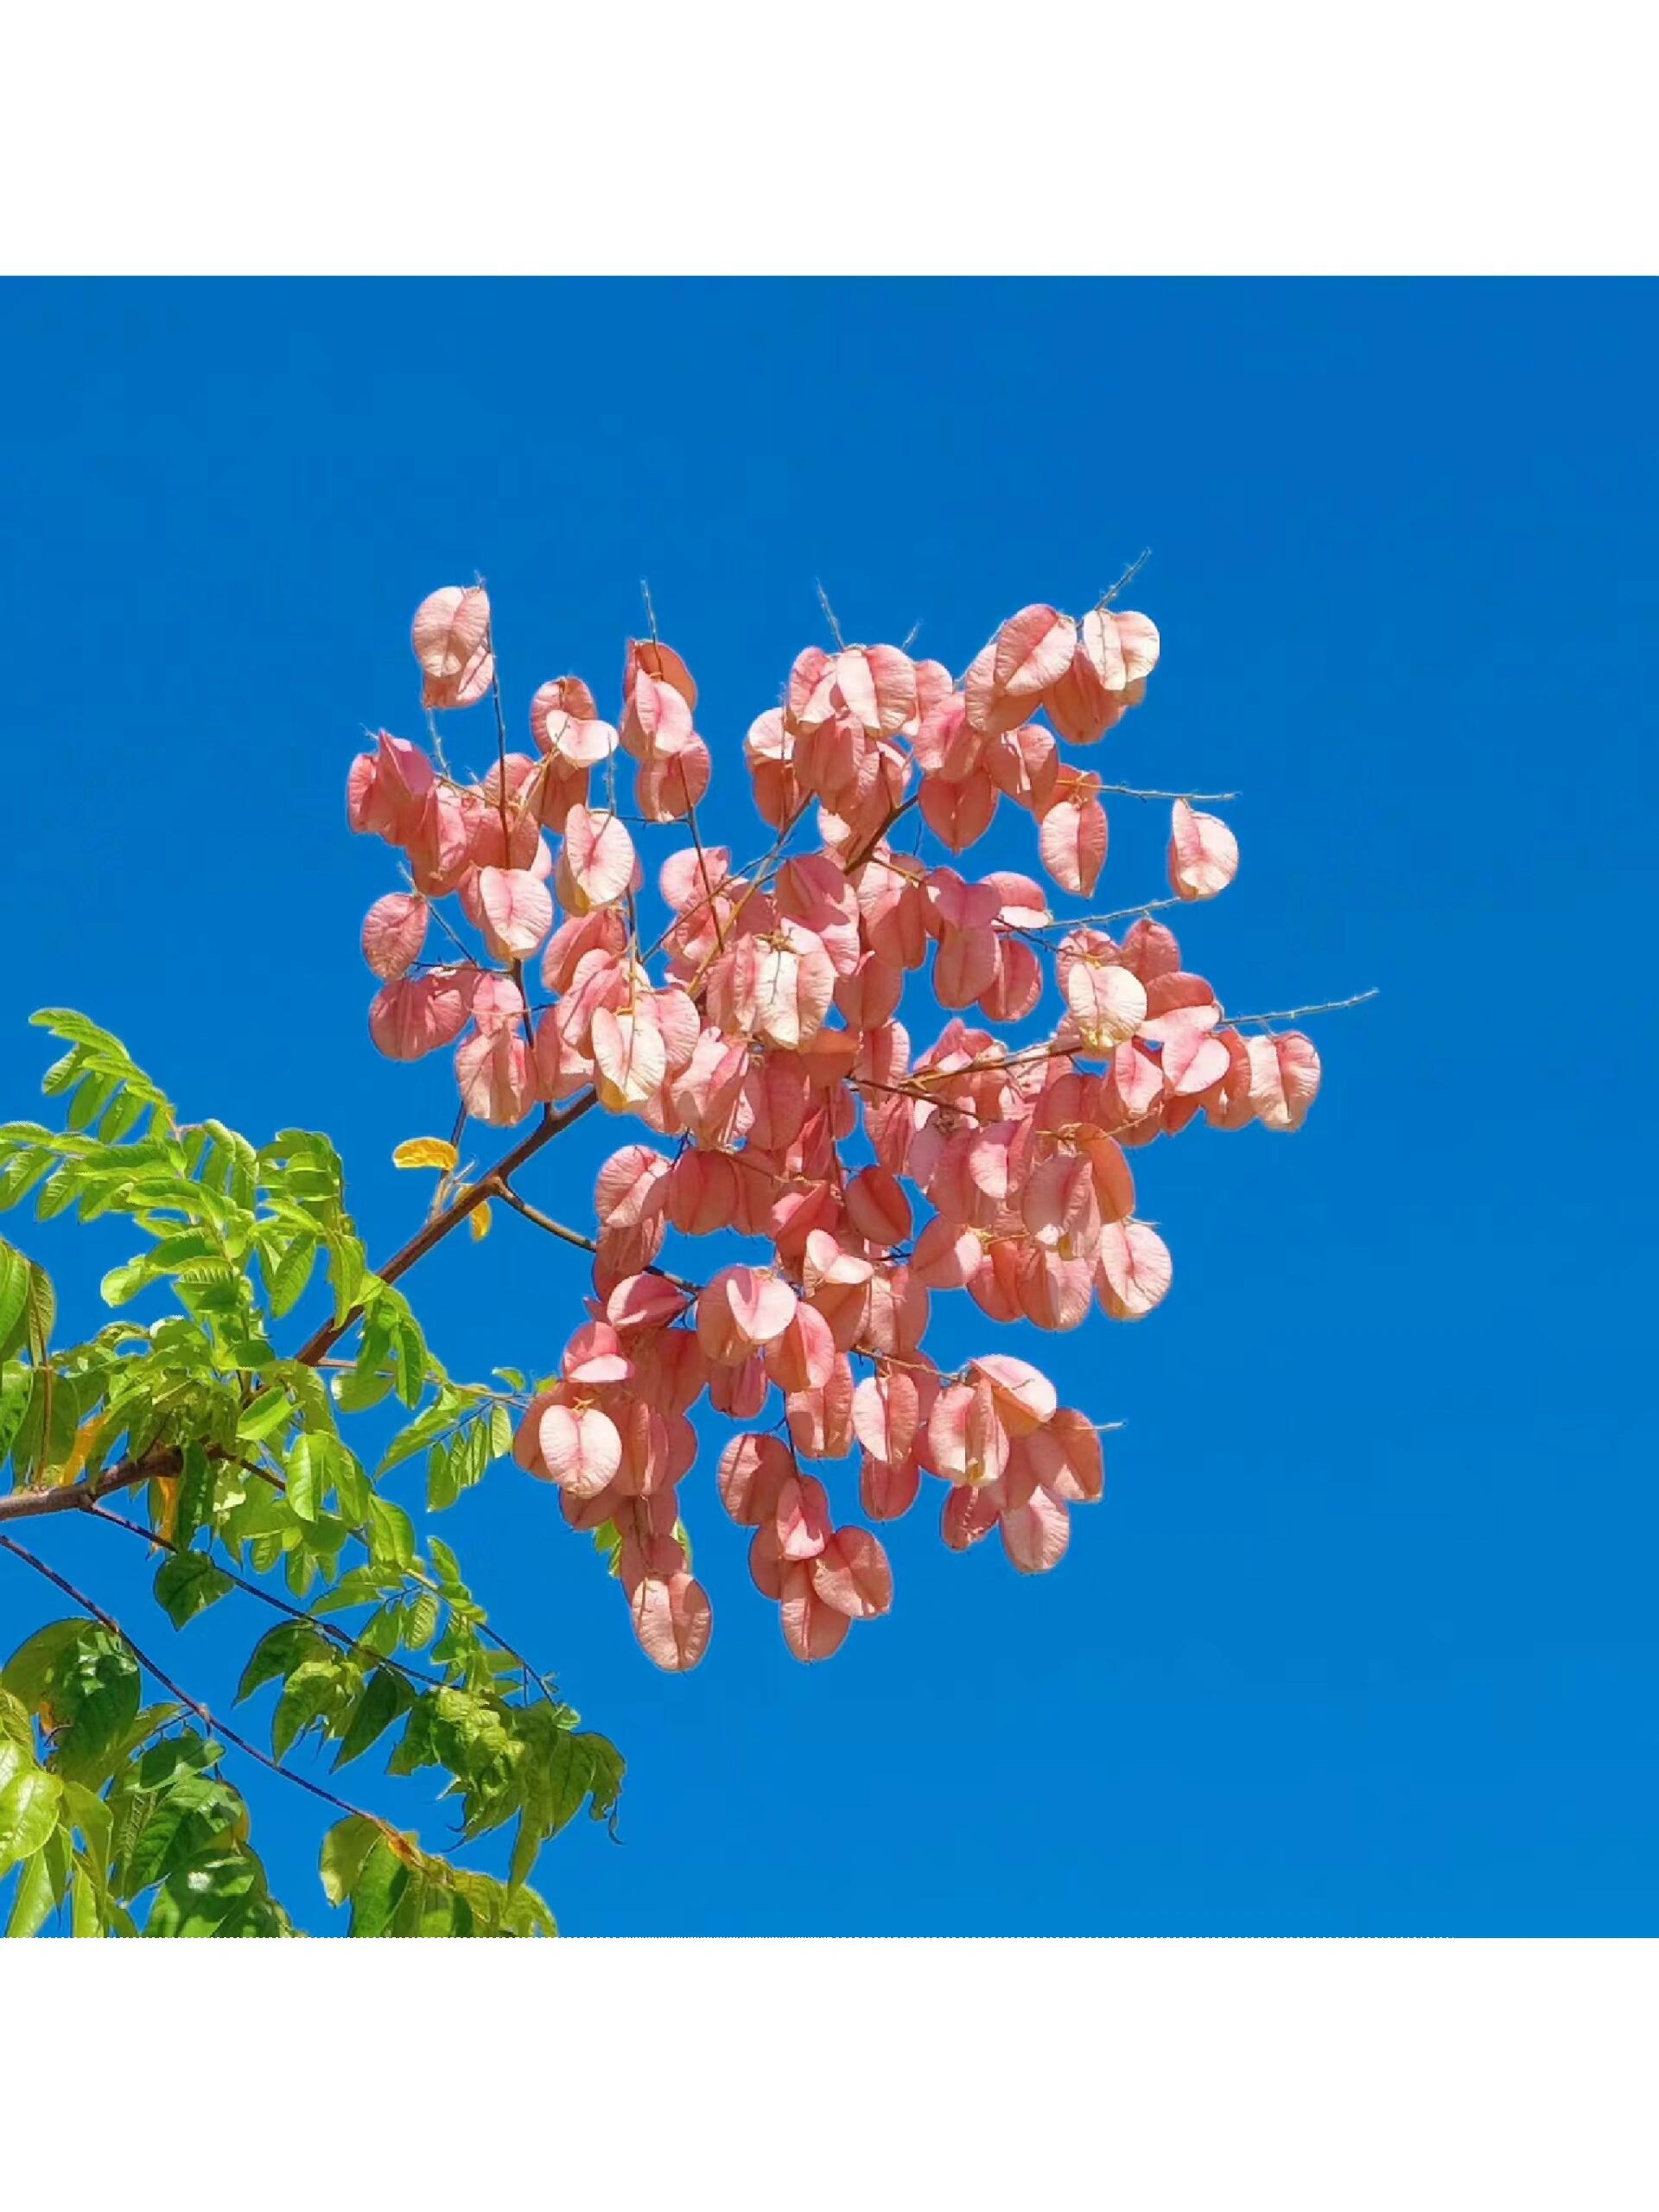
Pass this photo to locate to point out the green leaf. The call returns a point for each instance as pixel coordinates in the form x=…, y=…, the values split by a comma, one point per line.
x=420, y=1620
x=386, y=1695
x=344, y=1848
x=287, y=1281
x=268, y=1415
x=391, y=1532
x=308, y=1475
x=13, y=1296
x=42, y=1886
x=314, y=1691
x=278, y=1652
x=186, y=1583
x=16, y=1385
x=29, y=1812
x=378, y=1890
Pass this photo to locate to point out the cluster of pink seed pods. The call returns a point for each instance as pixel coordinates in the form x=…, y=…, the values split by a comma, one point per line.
x=766, y=1055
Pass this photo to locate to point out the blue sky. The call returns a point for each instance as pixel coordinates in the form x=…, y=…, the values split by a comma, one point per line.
x=1362, y=1640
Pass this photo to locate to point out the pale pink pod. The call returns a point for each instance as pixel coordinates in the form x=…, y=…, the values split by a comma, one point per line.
x=1068, y=1457
x=958, y=813
x=1193, y=1061
x=965, y=967
x=1024, y=1398
x=1284, y=1079
x=1052, y=1290
x=886, y=1412
x=1107, y=1004
x=673, y=1620
x=656, y=721
x=738, y=1389
x=630, y=1188
x=1134, y=1270
x=644, y=1303
x=1072, y=839
x=812, y=1629
x=801, y=1516
x=416, y=1014
x=1151, y=949
x=599, y=858
x=851, y=1573
x=566, y=696
x=496, y=1078
x=1017, y=985
x=752, y=1472
x=821, y=1421
x=1035, y=1535
x=969, y=1514
x=517, y=911
x=1231, y=1105
x=886, y=1491
x=451, y=638
x=669, y=788
x=702, y=1193
x=741, y=1309
x=947, y=1254
x=877, y=1207
x=394, y=932
x=1202, y=852
x=630, y=1058
x=581, y=1448
x=804, y=1357
x=649, y=656
x=595, y=1355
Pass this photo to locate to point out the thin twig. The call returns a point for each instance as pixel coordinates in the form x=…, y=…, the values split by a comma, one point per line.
x=506, y=1192
x=904, y=807
x=268, y=1598
x=195, y=1704
x=830, y=617
x=1132, y=791
x=1127, y=576
x=1296, y=1012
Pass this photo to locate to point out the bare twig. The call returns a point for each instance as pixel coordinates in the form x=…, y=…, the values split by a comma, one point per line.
x=1127, y=576
x=1296, y=1012
x=830, y=617
x=506, y=1192
x=331, y=1629
x=1132, y=791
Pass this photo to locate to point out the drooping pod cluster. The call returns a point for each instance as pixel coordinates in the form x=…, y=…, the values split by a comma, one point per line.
x=757, y=1042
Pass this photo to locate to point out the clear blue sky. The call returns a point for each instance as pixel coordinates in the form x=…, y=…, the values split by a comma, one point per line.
x=1363, y=1639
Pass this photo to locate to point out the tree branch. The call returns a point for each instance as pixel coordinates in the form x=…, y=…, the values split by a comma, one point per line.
x=465, y=1202
x=155, y=1464
x=195, y=1704
x=1295, y=1013
x=331, y=1629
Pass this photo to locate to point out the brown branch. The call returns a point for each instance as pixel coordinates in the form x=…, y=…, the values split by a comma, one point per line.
x=865, y=851
x=464, y=1202
x=155, y=1464
x=195, y=1704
